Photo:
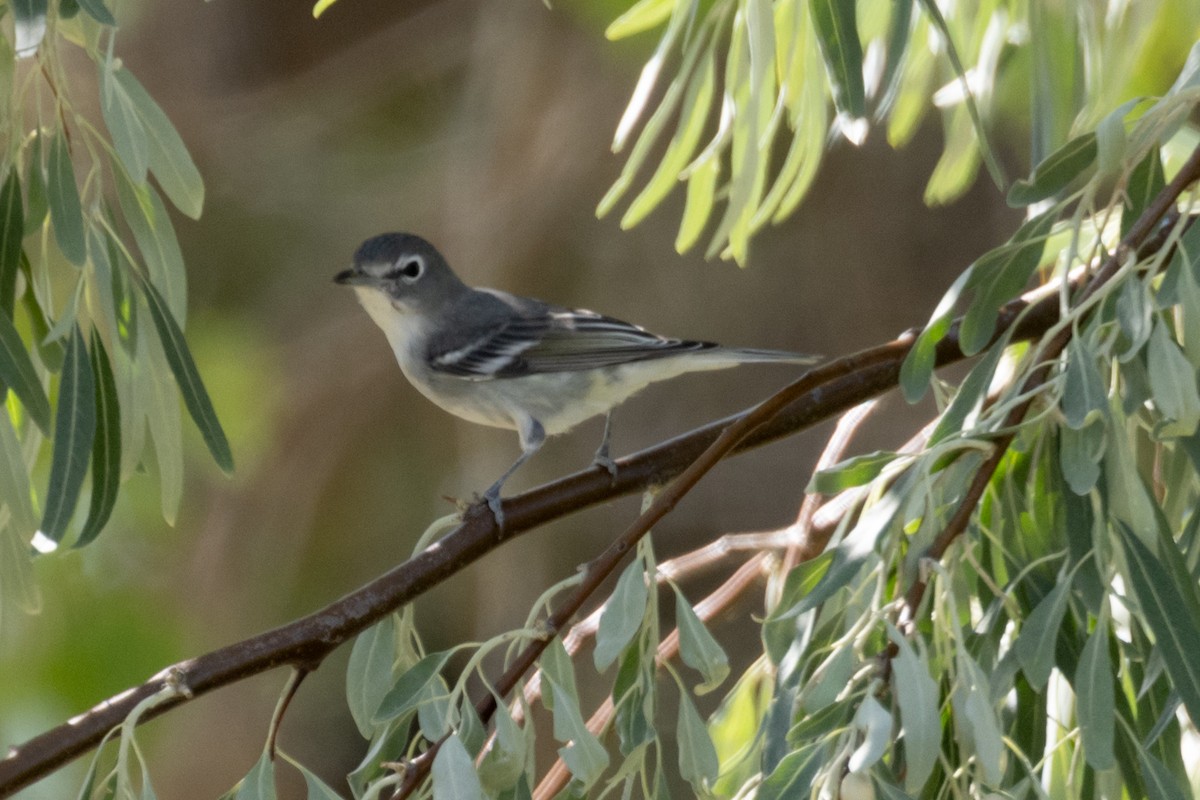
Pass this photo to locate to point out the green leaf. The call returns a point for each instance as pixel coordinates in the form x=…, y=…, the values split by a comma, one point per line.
x=837, y=27
x=1035, y=644
x=698, y=762
x=155, y=236
x=999, y=276
x=167, y=156
x=12, y=231
x=406, y=693
x=14, y=486
x=35, y=185
x=968, y=400
x=65, y=210
x=1135, y=312
x=920, y=719
x=1171, y=613
x=17, y=583
x=828, y=680
x=1079, y=455
x=874, y=723
x=97, y=11
x=259, y=783
x=623, y=614
x=1058, y=170
x=29, y=25
x=18, y=373
x=918, y=365
x=693, y=116
x=454, y=775
x=369, y=673
x=701, y=192
x=1160, y=783
x=641, y=16
x=106, y=445
x=699, y=649
x=1145, y=182
x=317, y=788
x=1173, y=381
x=852, y=472
x=793, y=776
x=74, y=431
x=124, y=125
x=159, y=402
x=1095, y=705
x=585, y=757
x=1084, y=394
x=195, y=397
x=504, y=763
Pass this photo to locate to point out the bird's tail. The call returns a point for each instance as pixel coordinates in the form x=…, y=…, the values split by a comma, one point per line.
x=749, y=355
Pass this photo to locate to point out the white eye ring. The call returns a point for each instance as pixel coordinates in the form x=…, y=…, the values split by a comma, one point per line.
x=411, y=268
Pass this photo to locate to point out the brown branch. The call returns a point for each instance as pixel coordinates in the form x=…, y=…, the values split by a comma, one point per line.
x=828, y=390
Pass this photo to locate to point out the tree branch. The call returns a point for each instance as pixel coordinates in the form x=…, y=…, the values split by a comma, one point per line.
x=824, y=392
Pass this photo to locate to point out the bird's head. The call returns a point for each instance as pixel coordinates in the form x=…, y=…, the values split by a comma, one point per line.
x=399, y=273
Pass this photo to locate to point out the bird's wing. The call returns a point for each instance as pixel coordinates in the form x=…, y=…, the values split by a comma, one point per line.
x=527, y=337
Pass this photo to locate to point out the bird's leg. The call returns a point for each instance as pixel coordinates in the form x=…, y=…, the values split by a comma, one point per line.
x=533, y=435
x=602, y=458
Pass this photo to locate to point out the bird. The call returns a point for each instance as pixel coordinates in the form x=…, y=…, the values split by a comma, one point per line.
x=506, y=361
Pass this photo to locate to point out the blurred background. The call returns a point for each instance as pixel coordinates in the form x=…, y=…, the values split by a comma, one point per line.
x=485, y=127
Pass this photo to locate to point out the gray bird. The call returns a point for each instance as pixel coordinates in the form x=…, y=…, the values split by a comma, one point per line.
x=514, y=362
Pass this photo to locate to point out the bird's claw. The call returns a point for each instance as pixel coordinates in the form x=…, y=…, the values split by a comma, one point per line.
x=492, y=498
x=604, y=461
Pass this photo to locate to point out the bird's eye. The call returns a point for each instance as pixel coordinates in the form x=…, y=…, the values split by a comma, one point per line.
x=409, y=269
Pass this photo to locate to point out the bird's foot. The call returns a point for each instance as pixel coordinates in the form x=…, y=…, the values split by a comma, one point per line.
x=604, y=460
x=492, y=498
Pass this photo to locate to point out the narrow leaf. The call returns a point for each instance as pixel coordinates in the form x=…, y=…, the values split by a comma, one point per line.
x=1058, y=170
x=852, y=472
x=1172, y=614
x=12, y=231
x=17, y=373
x=1096, y=705
x=1084, y=393
x=1035, y=644
x=259, y=783
x=124, y=125
x=369, y=673
x=1161, y=784
x=406, y=692
x=65, y=210
x=623, y=614
x=837, y=27
x=917, y=695
x=195, y=397
x=106, y=444
x=1173, y=381
x=641, y=16
x=454, y=775
x=698, y=763
x=699, y=649
x=97, y=11
x=584, y=756
x=74, y=431
x=167, y=155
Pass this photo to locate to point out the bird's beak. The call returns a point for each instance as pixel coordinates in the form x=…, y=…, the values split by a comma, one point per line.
x=352, y=277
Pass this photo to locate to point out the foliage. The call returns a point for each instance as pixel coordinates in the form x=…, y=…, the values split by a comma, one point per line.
x=1006, y=606
x=93, y=293
x=762, y=87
